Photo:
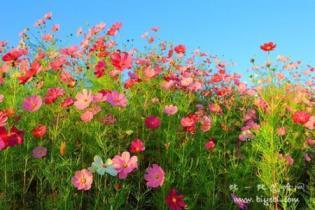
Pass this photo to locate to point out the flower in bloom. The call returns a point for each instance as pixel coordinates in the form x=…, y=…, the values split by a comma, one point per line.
x=14, y=54
x=67, y=102
x=205, y=123
x=87, y=116
x=215, y=108
x=152, y=122
x=301, y=117
x=310, y=124
x=189, y=123
x=121, y=60
x=137, y=146
x=3, y=118
x=180, y=49
x=32, y=103
x=241, y=203
x=281, y=131
x=117, y=99
x=269, y=46
x=39, y=152
x=210, y=145
x=83, y=99
x=170, y=110
x=124, y=164
x=11, y=138
x=101, y=168
x=154, y=176
x=53, y=94
x=82, y=179
x=39, y=131
x=100, y=69
x=175, y=201
x=311, y=142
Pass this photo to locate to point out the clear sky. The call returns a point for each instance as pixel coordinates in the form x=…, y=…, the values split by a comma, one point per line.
x=230, y=28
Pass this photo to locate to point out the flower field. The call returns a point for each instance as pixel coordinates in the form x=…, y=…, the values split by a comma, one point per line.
x=103, y=125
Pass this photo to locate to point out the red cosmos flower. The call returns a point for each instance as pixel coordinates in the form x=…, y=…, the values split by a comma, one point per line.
x=53, y=94
x=100, y=69
x=121, y=60
x=137, y=146
x=113, y=30
x=210, y=145
x=34, y=69
x=301, y=117
x=180, y=49
x=14, y=54
x=39, y=131
x=189, y=123
x=152, y=122
x=10, y=139
x=175, y=201
x=67, y=102
x=269, y=46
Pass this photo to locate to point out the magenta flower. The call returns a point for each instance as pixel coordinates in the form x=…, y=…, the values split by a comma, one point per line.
x=124, y=164
x=152, y=122
x=154, y=176
x=117, y=99
x=39, y=152
x=170, y=110
x=83, y=99
x=82, y=179
x=137, y=146
x=32, y=103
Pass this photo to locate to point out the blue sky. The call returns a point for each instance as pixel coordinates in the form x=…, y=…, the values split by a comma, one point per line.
x=229, y=28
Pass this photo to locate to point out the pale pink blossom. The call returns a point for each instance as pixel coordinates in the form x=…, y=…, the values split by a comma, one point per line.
x=82, y=179
x=125, y=164
x=170, y=110
x=83, y=99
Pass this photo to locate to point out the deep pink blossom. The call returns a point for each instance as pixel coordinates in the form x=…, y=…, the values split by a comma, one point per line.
x=152, y=122
x=154, y=176
x=32, y=103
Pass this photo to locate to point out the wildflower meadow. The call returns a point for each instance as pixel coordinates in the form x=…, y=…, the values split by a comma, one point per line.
x=103, y=125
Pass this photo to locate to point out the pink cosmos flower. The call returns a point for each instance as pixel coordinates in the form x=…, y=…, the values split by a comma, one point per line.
x=87, y=116
x=205, y=123
x=3, y=118
x=152, y=122
x=210, y=145
x=32, y=103
x=83, y=99
x=39, y=152
x=310, y=124
x=215, y=108
x=154, y=176
x=117, y=99
x=14, y=54
x=281, y=131
x=137, y=146
x=55, y=28
x=82, y=179
x=124, y=164
x=170, y=110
